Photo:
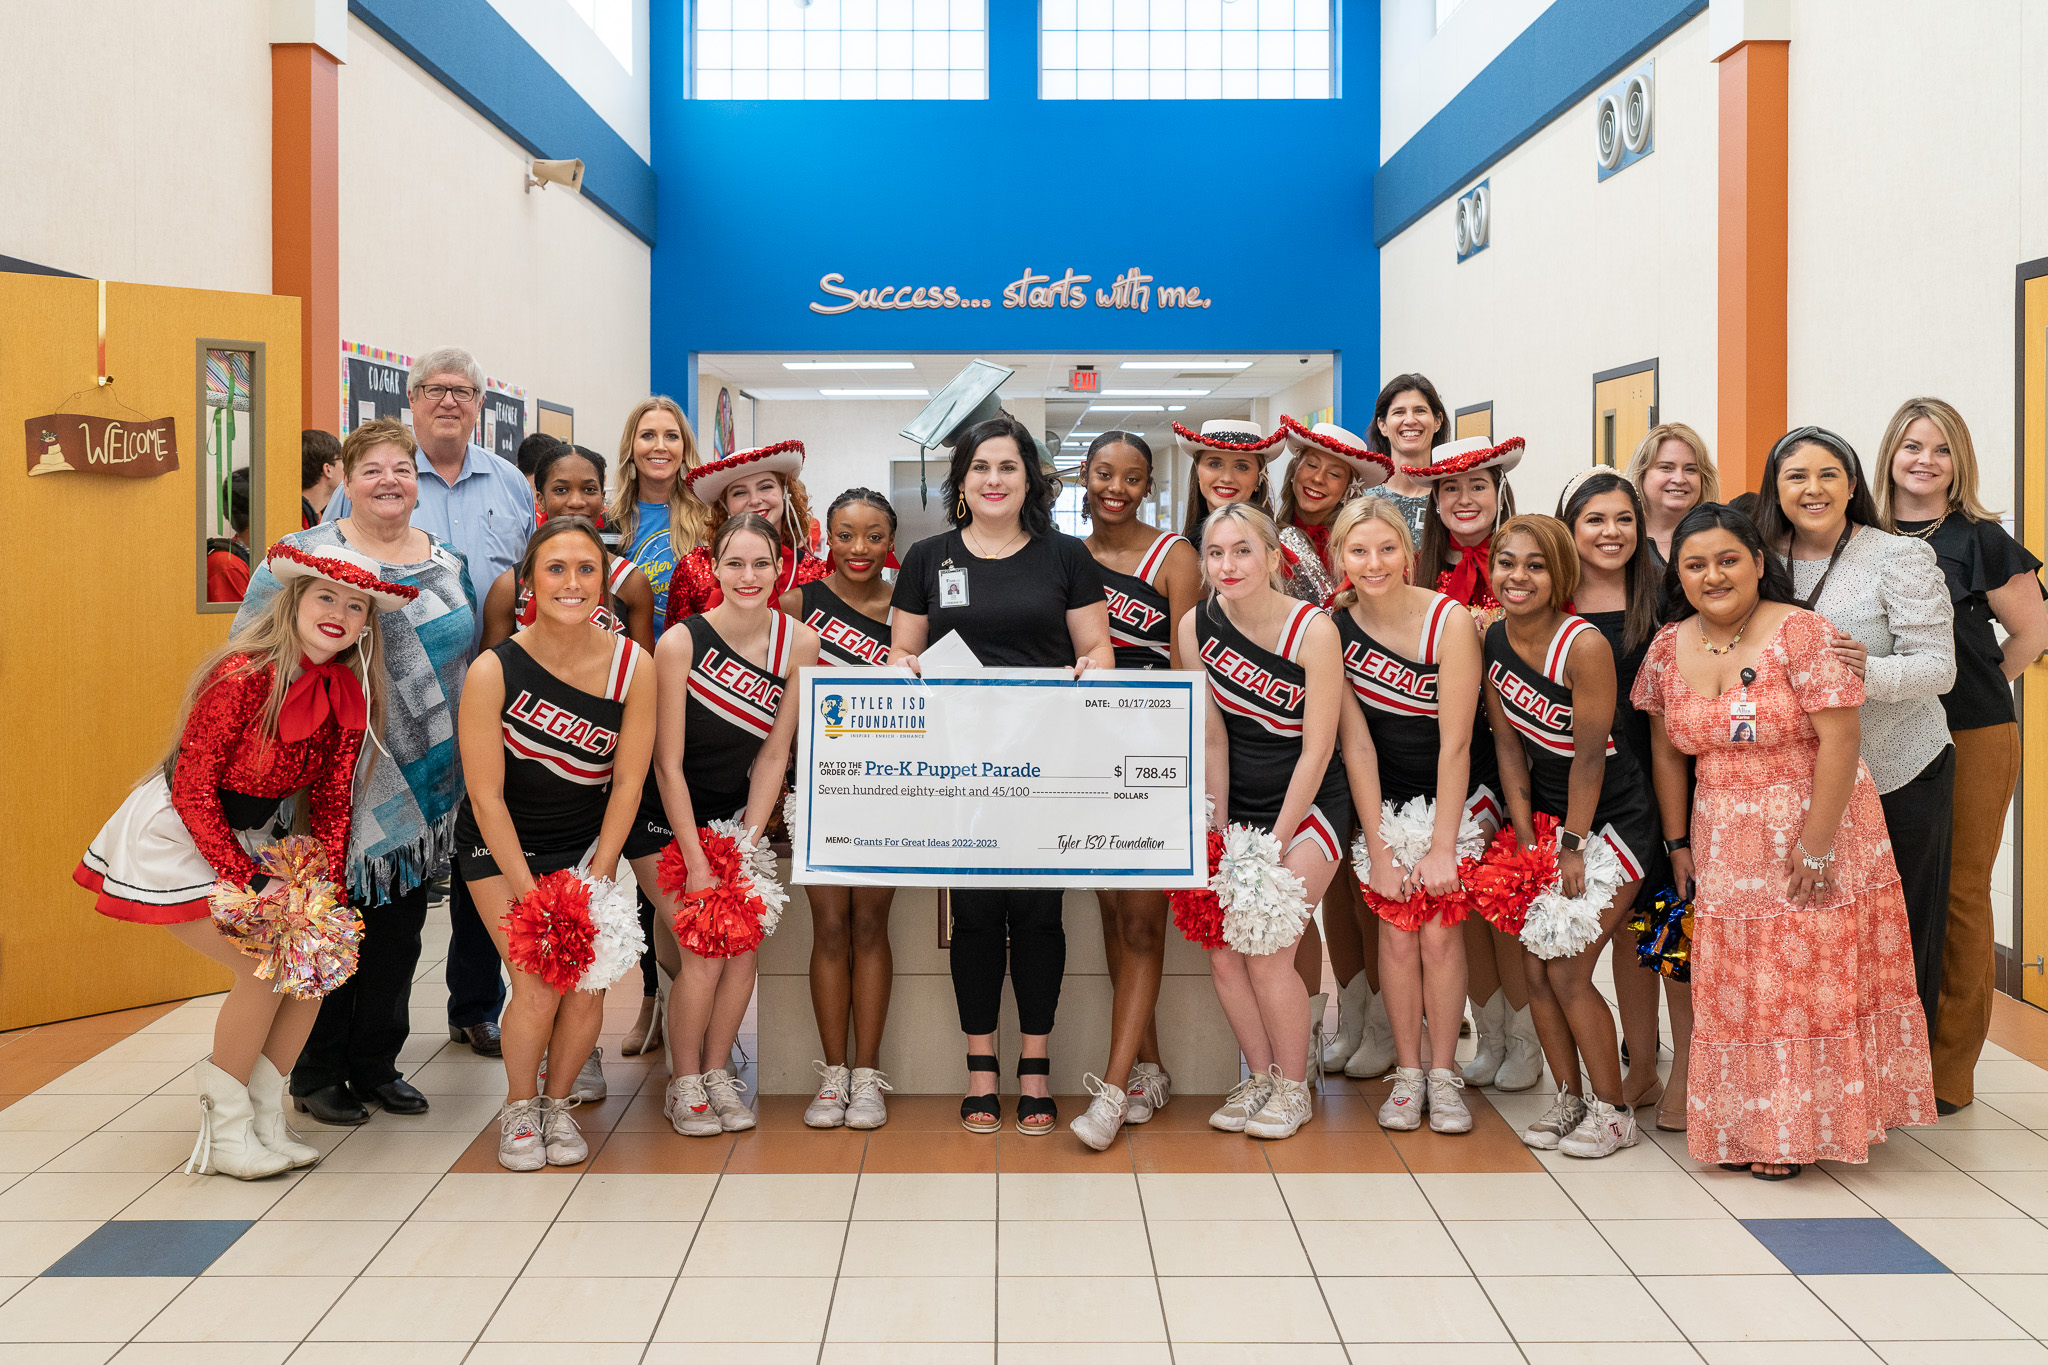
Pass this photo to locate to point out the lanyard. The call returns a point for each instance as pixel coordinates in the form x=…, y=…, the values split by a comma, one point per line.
x=1848, y=529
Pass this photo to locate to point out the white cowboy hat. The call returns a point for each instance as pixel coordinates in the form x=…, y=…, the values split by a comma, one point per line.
x=1368, y=467
x=338, y=564
x=1466, y=456
x=1237, y=435
x=709, y=481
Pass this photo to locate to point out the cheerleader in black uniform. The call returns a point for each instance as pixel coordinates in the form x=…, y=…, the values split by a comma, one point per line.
x=1151, y=580
x=570, y=483
x=1276, y=700
x=1412, y=658
x=1620, y=591
x=1469, y=497
x=722, y=746
x=1550, y=696
x=556, y=727
x=851, y=966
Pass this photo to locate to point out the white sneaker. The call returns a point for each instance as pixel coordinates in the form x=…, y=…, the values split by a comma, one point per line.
x=1150, y=1090
x=1605, y=1130
x=590, y=1086
x=1491, y=1021
x=521, y=1143
x=864, y=1107
x=1447, y=1111
x=828, y=1110
x=1240, y=1104
x=1375, y=1054
x=1402, y=1113
x=1105, y=1117
x=559, y=1133
x=723, y=1089
x=1286, y=1109
x=688, y=1108
x=1523, y=1066
x=1562, y=1117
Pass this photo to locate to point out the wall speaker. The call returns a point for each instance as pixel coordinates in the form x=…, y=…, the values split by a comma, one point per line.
x=1474, y=219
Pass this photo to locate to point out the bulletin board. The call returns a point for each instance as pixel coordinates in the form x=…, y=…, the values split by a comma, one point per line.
x=106, y=659
x=503, y=419
x=372, y=386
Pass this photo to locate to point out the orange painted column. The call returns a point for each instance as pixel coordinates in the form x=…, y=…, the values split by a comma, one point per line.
x=305, y=217
x=1754, y=174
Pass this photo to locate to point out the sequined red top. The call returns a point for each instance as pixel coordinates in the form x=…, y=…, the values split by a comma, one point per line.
x=693, y=589
x=223, y=748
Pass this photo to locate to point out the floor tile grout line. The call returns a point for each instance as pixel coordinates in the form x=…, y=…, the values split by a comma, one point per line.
x=845, y=1236
x=703, y=1217
x=1315, y=1274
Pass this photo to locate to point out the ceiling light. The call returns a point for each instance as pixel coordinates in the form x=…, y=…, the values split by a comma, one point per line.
x=1155, y=393
x=1177, y=407
x=1084, y=433
x=1185, y=365
x=848, y=365
x=1125, y=407
x=876, y=393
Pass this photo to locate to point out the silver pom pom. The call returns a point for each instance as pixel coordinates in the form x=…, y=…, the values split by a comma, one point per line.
x=615, y=914
x=1264, y=905
x=1565, y=926
x=1409, y=831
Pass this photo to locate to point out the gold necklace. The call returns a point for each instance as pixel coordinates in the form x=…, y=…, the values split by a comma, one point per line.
x=1729, y=648
x=1928, y=534
x=1021, y=533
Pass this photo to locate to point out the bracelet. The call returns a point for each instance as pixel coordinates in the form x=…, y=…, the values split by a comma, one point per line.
x=1814, y=864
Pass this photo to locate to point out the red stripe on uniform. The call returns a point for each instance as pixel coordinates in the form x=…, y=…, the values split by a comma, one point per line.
x=748, y=720
x=561, y=764
x=1232, y=704
x=1433, y=631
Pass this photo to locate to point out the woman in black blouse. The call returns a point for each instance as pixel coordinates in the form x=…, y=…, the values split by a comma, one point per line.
x=1927, y=489
x=1619, y=592
x=1020, y=595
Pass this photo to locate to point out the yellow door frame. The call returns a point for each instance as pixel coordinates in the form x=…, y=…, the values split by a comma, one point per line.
x=2024, y=977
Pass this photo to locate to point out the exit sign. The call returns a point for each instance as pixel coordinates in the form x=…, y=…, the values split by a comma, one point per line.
x=1084, y=381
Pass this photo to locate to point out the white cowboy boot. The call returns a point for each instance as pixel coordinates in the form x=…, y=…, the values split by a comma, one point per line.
x=1351, y=1008
x=1490, y=1021
x=1524, y=1064
x=227, y=1130
x=1318, y=1010
x=1375, y=1055
x=266, y=1096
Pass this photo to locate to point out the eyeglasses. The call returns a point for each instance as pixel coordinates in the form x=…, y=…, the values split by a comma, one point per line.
x=434, y=393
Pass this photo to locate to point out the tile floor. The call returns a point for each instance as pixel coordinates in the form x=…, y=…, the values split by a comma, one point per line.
x=923, y=1243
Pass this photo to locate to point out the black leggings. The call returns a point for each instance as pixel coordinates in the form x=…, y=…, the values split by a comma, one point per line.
x=1018, y=929
x=1919, y=818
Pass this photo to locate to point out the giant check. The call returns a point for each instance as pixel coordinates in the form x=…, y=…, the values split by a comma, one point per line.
x=1000, y=777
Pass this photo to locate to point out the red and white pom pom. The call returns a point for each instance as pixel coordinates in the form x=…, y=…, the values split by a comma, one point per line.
x=1196, y=911
x=1503, y=882
x=740, y=908
x=1264, y=904
x=619, y=941
x=549, y=931
x=1558, y=925
x=300, y=933
x=1409, y=831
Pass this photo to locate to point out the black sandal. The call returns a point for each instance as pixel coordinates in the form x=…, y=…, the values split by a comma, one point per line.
x=1030, y=1106
x=1792, y=1168
x=982, y=1104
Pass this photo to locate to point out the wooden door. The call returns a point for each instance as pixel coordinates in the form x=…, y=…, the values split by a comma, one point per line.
x=1624, y=410
x=2031, y=891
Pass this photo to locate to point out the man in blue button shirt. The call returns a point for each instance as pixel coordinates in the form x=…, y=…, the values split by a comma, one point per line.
x=481, y=507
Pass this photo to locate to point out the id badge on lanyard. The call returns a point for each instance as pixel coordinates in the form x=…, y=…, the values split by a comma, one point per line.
x=952, y=588
x=1742, y=713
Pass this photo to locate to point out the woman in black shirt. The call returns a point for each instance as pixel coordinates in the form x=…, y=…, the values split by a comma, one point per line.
x=1927, y=489
x=1020, y=595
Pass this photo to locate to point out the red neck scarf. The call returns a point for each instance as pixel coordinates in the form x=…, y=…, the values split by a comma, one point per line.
x=1465, y=582
x=319, y=691
x=1318, y=536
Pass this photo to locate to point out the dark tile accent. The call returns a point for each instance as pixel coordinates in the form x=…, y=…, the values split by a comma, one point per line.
x=1843, y=1246
x=148, y=1247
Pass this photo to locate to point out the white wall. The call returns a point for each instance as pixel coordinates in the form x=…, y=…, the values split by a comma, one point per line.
x=1580, y=277
x=447, y=248
x=573, y=49
x=1422, y=66
x=138, y=141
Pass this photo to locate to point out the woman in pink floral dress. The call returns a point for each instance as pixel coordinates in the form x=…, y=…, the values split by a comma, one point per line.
x=1808, y=1040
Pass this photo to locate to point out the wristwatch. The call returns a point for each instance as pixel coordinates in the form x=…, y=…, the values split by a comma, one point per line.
x=1568, y=842
x=1673, y=845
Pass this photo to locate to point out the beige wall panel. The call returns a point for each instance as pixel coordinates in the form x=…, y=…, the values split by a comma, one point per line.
x=139, y=140
x=441, y=245
x=104, y=659
x=1580, y=277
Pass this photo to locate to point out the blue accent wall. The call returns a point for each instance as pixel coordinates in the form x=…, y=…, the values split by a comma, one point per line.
x=469, y=48
x=1265, y=206
x=1564, y=55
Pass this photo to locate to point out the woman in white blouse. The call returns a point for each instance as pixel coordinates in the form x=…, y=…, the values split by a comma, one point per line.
x=1887, y=593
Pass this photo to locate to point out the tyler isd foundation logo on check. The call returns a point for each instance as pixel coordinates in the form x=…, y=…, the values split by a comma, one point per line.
x=842, y=716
